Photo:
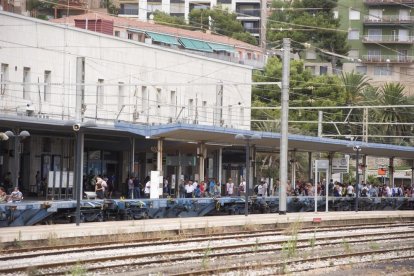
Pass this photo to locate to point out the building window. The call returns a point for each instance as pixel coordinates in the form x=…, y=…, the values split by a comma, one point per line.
x=190, y=109
x=374, y=55
x=47, y=87
x=26, y=83
x=130, y=36
x=121, y=95
x=173, y=104
x=159, y=98
x=375, y=15
x=354, y=15
x=383, y=70
x=374, y=34
x=353, y=35
x=4, y=77
x=310, y=54
x=241, y=115
x=361, y=70
x=323, y=70
x=117, y=33
x=100, y=93
x=204, y=110
x=311, y=69
x=230, y=115
x=145, y=99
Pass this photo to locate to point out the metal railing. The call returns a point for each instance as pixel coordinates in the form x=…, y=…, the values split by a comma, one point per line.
x=389, y=2
x=128, y=11
x=247, y=13
x=388, y=19
x=388, y=39
x=388, y=58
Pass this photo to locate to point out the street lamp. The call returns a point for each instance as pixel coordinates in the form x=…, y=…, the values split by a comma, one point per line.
x=78, y=128
x=357, y=149
x=10, y=134
x=248, y=139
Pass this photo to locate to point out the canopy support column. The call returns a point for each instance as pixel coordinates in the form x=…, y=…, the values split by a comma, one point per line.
x=391, y=172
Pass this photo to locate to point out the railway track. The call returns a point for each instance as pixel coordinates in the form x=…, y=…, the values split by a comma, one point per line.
x=192, y=253
x=176, y=239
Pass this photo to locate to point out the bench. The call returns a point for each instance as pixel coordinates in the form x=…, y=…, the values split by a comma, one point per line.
x=90, y=195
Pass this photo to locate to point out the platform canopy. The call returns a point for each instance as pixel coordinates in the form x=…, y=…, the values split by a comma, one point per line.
x=211, y=135
x=268, y=140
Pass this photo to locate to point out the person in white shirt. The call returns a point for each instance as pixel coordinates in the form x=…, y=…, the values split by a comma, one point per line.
x=242, y=187
x=230, y=187
x=147, y=189
x=189, y=189
x=350, y=190
x=265, y=185
x=388, y=192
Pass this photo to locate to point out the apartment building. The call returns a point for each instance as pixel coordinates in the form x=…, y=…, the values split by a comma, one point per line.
x=195, y=42
x=248, y=11
x=381, y=37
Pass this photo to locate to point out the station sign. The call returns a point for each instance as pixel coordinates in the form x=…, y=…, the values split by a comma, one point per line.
x=322, y=165
x=340, y=165
x=382, y=171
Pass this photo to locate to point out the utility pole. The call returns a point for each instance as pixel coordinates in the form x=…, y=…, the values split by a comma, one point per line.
x=284, y=126
x=365, y=126
x=263, y=23
x=320, y=118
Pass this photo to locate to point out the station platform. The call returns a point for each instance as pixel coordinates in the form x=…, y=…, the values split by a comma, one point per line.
x=44, y=232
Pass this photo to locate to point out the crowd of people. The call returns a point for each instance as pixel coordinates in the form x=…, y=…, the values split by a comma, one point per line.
x=211, y=187
x=337, y=189
x=102, y=185
x=14, y=196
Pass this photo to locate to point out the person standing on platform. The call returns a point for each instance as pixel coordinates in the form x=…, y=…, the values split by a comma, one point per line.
x=38, y=180
x=230, y=187
x=130, y=188
x=16, y=195
x=137, y=188
x=242, y=187
x=147, y=188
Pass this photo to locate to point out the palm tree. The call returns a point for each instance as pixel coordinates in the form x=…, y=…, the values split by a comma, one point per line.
x=354, y=84
x=390, y=94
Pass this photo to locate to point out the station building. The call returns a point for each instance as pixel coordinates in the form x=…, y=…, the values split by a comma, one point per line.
x=56, y=76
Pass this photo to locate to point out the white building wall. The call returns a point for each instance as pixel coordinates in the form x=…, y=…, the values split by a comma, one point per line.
x=41, y=46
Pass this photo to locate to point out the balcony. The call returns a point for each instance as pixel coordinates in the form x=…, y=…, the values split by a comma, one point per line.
x=128, y=11
x=387, y=39
x=77, y=5
x=248, y=13
x=388, y=2
x=388, y=20
x=394, y=59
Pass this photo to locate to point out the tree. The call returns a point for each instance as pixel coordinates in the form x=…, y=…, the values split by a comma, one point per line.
x=305, y=90
x=354, y=85
x=390, y=94
x=166, y=19
x=296, y=18
x=221, y=22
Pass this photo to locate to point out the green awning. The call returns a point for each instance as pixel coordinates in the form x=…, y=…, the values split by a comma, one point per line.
x=197, y=45
x=221, y=47
x=162, y=38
